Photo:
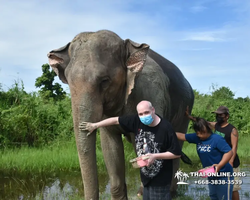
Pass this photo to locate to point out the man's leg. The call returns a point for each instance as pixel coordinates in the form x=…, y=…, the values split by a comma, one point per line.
x=146, y=193
x=236, y=195
x=236, y=187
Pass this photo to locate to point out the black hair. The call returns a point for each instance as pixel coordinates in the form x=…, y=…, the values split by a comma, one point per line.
x=201, y=125
x=226, y=113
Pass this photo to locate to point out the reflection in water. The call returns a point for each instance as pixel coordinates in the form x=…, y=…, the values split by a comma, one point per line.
x=68, y=184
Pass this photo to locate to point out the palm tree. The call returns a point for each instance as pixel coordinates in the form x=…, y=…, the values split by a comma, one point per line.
x=185, y=176
x=178, y=174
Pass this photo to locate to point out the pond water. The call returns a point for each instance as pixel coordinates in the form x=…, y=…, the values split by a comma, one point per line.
x=63, y=186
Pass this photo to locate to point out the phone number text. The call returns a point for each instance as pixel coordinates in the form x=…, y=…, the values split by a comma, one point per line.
x=218, y=182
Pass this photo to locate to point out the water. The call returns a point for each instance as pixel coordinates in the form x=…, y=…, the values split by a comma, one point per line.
x=63, y=186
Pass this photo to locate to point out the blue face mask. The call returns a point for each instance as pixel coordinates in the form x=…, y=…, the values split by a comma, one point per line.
x=147, y=120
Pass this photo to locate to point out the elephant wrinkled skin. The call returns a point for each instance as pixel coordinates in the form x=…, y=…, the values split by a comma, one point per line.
x=107, y=77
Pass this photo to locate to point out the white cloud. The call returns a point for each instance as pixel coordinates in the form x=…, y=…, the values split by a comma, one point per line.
x=197, y=49
x=206, y=36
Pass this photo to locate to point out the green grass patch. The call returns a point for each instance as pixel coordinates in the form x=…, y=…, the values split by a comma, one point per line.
x=59, y=156
x=62, y=156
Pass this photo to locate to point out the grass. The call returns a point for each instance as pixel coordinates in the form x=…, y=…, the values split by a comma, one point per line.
x=57, y=157
x=62, y=156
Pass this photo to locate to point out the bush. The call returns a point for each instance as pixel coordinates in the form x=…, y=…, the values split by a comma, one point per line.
x=27, y=119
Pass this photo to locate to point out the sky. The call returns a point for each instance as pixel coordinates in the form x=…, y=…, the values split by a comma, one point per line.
x=208, y=40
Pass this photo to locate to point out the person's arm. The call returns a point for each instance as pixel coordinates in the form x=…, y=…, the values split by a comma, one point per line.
x=87, y=126
x=225, y=159
x=212, y=125
x=234, y=142
x=165, y=155
x=187, y=114
x=192, y=118
x=181, y=136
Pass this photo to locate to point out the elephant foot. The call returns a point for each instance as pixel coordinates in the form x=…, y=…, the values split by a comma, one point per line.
x=173, y=194
x=140, y=191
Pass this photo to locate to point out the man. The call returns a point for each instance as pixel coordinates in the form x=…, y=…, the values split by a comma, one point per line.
x=229, y=132
x=162, y=147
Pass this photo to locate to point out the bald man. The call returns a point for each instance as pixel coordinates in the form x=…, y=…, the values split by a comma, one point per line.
x=154, y=137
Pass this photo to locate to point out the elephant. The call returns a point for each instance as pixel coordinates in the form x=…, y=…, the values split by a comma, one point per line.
x=107, y=77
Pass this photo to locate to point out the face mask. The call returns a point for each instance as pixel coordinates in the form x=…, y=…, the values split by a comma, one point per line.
x=148, y=119
x=219, y=120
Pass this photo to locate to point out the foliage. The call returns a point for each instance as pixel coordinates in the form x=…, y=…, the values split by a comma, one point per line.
x=239, y=108
x=48, y=89
x=222, y=93
x=28, y=119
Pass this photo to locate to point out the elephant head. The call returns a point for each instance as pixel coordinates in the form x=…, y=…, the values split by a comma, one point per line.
x=100, y=69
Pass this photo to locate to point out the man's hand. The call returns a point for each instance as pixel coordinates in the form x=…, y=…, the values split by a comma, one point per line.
x=187, y=111
x=87, y=126
x=189, y=116
x=150, y=157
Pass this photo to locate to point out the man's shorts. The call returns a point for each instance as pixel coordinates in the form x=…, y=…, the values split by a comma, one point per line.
x=156, y=193
x=236, y=186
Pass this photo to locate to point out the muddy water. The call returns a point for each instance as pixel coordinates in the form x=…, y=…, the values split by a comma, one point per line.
x=66, y=185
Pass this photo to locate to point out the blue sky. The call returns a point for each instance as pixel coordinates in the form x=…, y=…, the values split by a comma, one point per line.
x=207, y=39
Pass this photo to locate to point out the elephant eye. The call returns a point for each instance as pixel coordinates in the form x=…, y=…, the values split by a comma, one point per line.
x=105, y=82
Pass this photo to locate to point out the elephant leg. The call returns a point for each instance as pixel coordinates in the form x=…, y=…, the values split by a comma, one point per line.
x=113, y=152
x=140, y=191
x=174, y=186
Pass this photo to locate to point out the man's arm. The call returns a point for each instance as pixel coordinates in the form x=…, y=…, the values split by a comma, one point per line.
x=189, y=116
x=234, y=142
x=164, y=155
x=212, y=125
x=87, y=126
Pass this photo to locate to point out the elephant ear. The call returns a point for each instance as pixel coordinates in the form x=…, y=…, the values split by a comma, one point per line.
x=58, y=60
x=136, y=58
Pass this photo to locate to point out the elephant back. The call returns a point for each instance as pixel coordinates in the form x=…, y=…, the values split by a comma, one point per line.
x=180, y=91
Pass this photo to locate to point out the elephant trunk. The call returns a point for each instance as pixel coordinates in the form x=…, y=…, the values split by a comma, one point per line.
x=85, y=108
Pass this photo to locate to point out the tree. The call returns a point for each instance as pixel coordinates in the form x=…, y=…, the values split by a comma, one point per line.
x=48, y=89
x=223, y=93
